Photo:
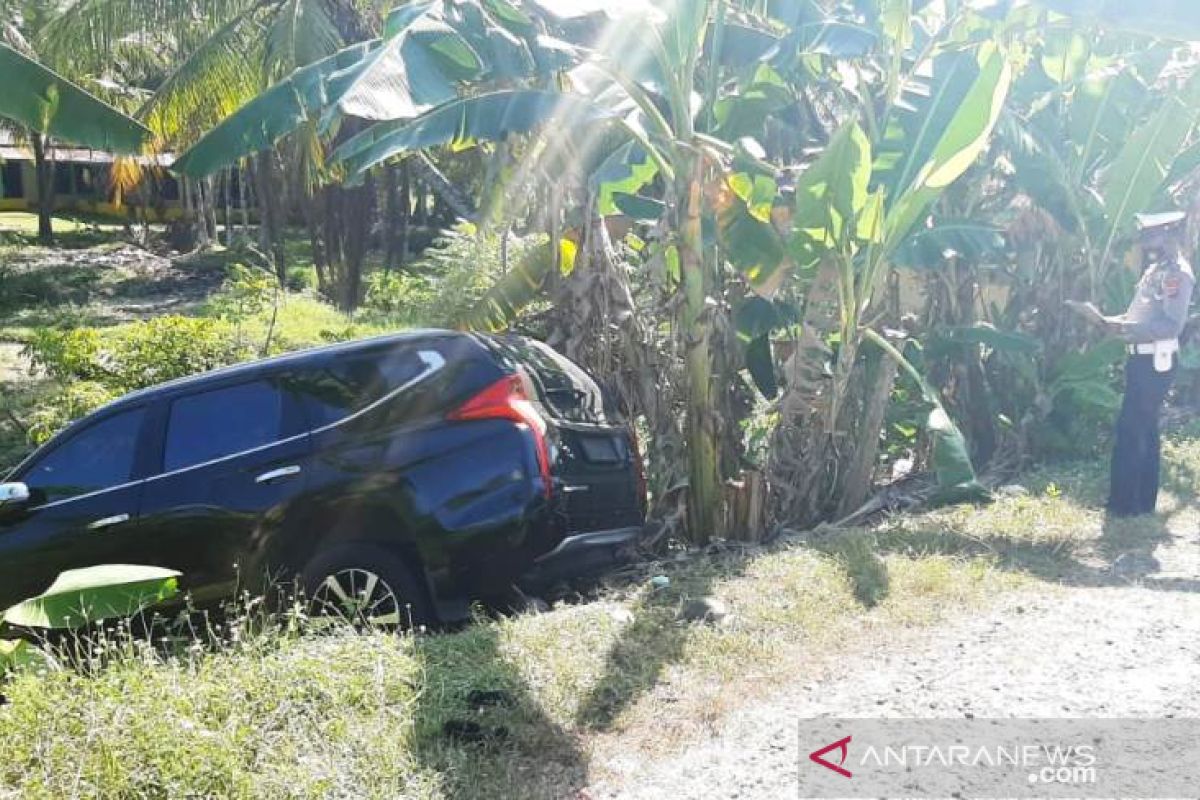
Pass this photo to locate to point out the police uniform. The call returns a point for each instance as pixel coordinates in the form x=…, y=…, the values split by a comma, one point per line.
x=1152, y=325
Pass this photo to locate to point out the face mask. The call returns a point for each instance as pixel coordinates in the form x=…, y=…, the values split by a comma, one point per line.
x=1154, y=255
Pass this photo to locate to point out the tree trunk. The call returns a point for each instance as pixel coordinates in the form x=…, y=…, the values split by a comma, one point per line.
x=430, y=176
x=244, y=199
x=405, y=209
x=878, y=383
x=705, y=498
x=391, y=214
x=208, y=208
x=270, y=186
x=44, y=169
x=226, y=194
x=356, y=239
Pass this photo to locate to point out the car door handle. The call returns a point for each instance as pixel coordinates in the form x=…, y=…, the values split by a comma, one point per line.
x=108, y=522
x=276, y=474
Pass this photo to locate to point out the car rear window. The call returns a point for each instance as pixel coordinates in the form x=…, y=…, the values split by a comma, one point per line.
x=222, y=422
x=332, y=392
x=566, y=390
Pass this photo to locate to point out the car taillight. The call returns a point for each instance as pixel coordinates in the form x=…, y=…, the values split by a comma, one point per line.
x=639, y=468
x=510, y=398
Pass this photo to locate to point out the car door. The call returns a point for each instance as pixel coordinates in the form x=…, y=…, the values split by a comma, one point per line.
x=232, y=464
x=83, y=506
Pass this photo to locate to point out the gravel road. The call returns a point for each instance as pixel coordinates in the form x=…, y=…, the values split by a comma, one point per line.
x=1129, y=648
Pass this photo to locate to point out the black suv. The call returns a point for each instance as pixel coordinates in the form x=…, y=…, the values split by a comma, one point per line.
x=405, y=474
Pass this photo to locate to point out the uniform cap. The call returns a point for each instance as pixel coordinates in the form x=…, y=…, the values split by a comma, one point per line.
x=1170, y=219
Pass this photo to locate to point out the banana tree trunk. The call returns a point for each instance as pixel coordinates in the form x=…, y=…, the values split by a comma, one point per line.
x=704, y=478
x=878, y=383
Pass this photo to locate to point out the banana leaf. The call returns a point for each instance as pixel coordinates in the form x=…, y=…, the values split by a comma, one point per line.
x=83, y=596
x=831, y=194
x=416, y=67
x=1138, y=173
x=519, y=287
x=625, y=172
x=266, y=119
x=956, y=479
x=487, y=117
x=43, y=100
x=926, y=247
x=18, y=654
x=428, y=49
x=960, y=131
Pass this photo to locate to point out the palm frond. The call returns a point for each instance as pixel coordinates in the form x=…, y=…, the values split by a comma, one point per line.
x=215, y=80
x=301, y=32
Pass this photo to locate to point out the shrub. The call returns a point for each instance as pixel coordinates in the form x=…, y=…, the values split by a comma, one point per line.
x=398, y=293
x=460, y=268
x=74, y=401
x=245, y=294
x=302, y=279
x=135, y=356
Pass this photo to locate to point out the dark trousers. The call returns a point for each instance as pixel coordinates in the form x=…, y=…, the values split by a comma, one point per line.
x=1135, y=461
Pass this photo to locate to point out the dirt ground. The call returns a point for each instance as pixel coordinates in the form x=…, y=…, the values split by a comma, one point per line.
x=1124, y=641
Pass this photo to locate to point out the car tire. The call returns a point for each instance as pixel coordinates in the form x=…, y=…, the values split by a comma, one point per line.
x=366, y=585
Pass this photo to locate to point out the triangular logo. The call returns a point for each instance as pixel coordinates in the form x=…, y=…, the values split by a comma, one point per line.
x=818, y=756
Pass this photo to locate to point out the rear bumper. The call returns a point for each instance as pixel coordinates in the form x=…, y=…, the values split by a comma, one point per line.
x=584, y=554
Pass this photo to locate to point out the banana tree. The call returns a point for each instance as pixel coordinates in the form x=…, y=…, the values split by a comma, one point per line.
x=856, y=205
x=1096, y=133
x=49, y=106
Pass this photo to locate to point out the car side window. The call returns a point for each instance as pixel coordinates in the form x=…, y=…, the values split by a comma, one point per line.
x=332, y=392
x=99, y=457
x=222, y=422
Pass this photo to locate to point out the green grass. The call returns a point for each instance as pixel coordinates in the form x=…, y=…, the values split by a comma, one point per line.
x=349, y=715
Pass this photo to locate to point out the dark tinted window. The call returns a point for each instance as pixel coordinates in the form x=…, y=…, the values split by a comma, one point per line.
x=566, y=390
x=223, y=422
x=99, y=457
x=12, y=179
x=334, y=391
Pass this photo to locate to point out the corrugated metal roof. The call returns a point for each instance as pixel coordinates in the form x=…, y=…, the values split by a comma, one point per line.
x=11, y=151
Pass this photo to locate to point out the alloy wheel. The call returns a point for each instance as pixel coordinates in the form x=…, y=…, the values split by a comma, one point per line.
x=360, y=597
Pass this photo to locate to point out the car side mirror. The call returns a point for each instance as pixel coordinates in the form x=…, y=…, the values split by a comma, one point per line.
x=13, y=496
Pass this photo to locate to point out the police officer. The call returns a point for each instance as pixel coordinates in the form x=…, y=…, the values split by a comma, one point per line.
x=1151, y=326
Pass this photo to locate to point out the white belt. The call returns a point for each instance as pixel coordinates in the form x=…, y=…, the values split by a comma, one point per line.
x=1153, y=348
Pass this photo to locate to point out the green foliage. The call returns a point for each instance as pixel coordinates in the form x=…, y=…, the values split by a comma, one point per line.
x=301, y=279
x=398, y=294
x=75, y=400
x=951, y=455
x=469, y=283
x=247, y=292
x=428, y=48
x=43, y=100
x=84, y=596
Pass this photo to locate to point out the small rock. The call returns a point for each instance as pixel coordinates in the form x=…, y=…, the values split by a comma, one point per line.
x=660, y=582
x=1013, y=490
x=706, y=609
x=621, y=615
